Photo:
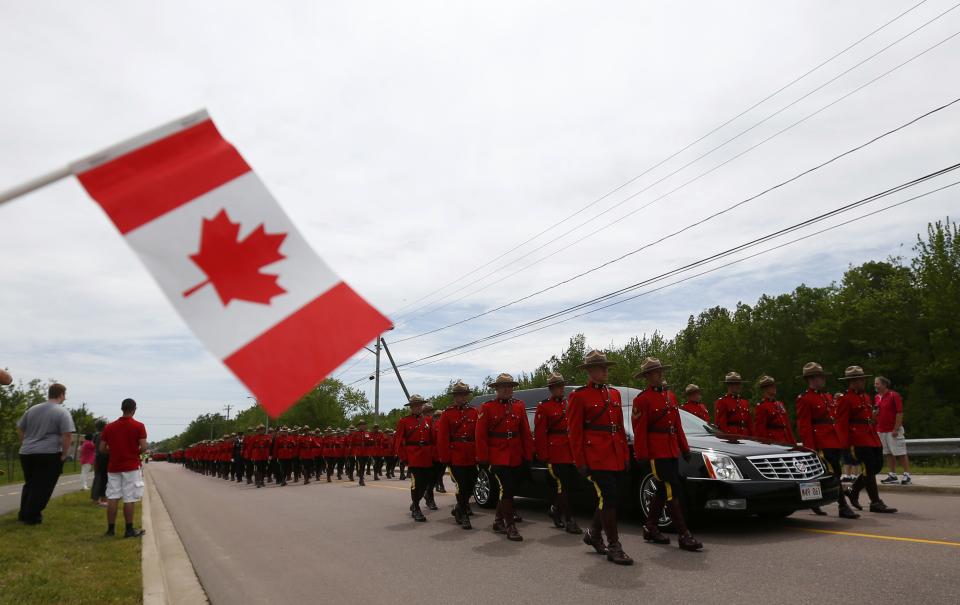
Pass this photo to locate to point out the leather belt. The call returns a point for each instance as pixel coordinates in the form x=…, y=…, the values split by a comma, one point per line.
x=420, y=443
x=776, y=426
x=507, y=435
x=861, y=421
x=463, y=439
x=557, y=432
x=603, y=428
x=821, y=421
x=668, y=431
x=742, y=425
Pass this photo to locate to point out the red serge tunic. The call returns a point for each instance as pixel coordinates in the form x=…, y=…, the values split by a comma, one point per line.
x=414, y=441
x=457, y=435
x=260, y=447
x=285, y=447
x=551, y=433
x=305, y=447
x=861, y=427
x=820, y=422
x=697, y=409
x=503, y=433
x=732, y=415
x=771, y=422
x=657, y=430
x=597, y=435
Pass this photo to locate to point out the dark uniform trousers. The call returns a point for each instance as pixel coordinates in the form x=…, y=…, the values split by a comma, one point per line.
x=306, y=465
x=439, y=469
x=870, y=460
x=564, y=476
x=422, y=479
x=465, y=478
x=834, y=459
x=377, y=466
x=238, y=465
x=666, y=478
x=362, y=462
x=260, y=467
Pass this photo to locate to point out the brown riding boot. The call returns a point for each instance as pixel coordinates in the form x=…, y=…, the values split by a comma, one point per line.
x=594, y=536
x=686, y=539
x=651, y=529
x=615, y=552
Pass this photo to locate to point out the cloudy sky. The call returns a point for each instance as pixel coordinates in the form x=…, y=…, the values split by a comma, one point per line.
x=415, y=142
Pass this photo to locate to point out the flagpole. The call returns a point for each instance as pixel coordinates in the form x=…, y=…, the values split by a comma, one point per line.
x=105, y=155
x=34, y=184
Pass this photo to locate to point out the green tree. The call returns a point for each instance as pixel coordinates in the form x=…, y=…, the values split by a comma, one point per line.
x=14, y=401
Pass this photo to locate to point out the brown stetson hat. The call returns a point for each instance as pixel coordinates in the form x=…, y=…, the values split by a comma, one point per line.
x=691, y=389
x=595, y=358
x=460, y=387
x=504, y=380
x=733, y=378
x=415, y=399
x=555, y=378
x=650, y=364
x=766, y=381
x=812, y=368
x=854, y=372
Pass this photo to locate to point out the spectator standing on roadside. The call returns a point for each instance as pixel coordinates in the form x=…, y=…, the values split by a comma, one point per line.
x=98, y=493
x=890, y=427
x=125, y=439
x=46, y=433
x=87, y=458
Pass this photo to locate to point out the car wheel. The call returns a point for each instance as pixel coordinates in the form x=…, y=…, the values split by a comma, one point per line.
x=647, y=490
x=484, y=492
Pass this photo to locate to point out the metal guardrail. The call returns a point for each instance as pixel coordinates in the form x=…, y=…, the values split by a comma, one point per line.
x=933, y=447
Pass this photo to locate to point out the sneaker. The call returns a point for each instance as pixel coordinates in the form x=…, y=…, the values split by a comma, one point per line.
x=905, y=480
x=890, y=479
x=133, y=533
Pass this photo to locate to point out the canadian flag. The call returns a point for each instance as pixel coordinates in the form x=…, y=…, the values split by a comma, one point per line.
x=229, y=259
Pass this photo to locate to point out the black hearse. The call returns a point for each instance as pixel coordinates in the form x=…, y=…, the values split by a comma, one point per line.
x=728, y=474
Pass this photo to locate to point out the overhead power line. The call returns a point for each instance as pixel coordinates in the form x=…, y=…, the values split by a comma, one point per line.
x=794, y=81
x=568, y=245
x=689, y=266
x=686, y=228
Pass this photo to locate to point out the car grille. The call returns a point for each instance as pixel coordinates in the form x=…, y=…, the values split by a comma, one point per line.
x=788, y=466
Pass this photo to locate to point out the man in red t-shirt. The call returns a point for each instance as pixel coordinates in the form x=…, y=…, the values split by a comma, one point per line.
x=889, y=409
x=125, y=439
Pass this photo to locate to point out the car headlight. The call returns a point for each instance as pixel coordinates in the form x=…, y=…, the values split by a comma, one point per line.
x=721, y=466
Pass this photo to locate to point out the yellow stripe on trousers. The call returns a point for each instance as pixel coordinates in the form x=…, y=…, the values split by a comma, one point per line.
x=653, y=467
x=599, y=493
x=555, y=478
x=500, y=483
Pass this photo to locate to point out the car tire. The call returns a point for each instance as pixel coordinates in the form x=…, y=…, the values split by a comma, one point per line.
x=645, y=495
x=485, y=492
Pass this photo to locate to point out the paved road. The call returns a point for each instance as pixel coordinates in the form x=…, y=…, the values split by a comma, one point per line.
x=356, y=545
x=10, y=494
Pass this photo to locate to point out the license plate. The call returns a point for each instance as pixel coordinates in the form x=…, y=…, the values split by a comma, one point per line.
x=810, y=491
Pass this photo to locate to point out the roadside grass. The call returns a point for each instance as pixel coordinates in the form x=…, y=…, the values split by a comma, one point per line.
x=930, y=470
x=67, y=560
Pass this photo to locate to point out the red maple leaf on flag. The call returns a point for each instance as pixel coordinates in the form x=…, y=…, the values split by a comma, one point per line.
x=233, y=266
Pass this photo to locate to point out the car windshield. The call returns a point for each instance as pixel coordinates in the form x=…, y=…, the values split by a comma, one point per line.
x=694, y=426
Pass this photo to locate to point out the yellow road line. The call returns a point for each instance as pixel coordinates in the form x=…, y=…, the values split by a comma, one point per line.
x=877, y=536
x=404, y=489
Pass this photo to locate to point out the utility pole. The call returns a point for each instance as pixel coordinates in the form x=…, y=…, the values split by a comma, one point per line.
x=228, y=407
x=376, y=384
x=395, y=369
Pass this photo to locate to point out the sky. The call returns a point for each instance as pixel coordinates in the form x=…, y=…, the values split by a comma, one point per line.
x=413, y=143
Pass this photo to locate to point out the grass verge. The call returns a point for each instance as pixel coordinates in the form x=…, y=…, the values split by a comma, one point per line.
x=66, y=560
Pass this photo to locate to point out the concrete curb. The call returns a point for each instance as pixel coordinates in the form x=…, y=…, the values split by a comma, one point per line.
x=168, y=574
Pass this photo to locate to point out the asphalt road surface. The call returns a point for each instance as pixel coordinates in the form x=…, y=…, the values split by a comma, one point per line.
x=10, y=494
x=339, y=543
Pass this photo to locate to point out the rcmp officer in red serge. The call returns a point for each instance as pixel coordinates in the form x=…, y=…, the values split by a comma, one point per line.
x=865, y=443
x=599, y=444
x=770, y=418
x=551, y=439
x=693, y=404
x=823, y=428
x=731, y=413
x=456, y=446
x=505, y=443
x=414, y=444
x=659, y=438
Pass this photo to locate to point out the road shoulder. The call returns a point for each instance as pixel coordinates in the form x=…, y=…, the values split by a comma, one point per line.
x=168, y=574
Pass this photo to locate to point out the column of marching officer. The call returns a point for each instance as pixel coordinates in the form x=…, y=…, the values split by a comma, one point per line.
x=582, y=435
